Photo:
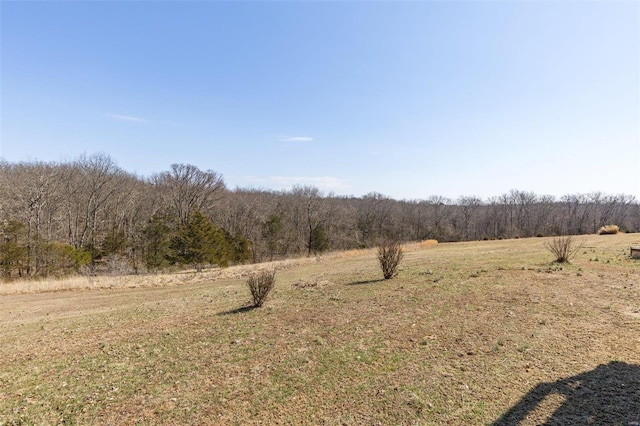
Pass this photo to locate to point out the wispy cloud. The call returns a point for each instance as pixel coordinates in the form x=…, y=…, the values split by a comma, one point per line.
x=296, y=139
x=323, y=183
x=127, y=118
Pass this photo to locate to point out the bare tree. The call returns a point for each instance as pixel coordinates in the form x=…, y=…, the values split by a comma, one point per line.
x=440, y=214
x=29, y=190
x=542, y=212
x=374, y=210
x=578, y=213
x=469, y=207
x=58, y=215
x=187, y=188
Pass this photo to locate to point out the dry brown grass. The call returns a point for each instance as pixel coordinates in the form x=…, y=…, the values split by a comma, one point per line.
x=427, y=243
x=467, y=333
x=146, y=280
x=349, y=253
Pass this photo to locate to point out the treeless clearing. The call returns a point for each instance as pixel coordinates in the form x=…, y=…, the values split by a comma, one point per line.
x=464, y=334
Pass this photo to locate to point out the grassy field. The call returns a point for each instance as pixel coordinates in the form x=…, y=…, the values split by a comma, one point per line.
x=485, y=332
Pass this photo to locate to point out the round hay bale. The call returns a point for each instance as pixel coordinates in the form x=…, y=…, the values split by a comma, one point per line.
x=609, y=230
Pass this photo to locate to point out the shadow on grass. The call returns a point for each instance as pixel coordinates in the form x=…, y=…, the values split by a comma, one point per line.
x=238, y=310
x=608, y=394
x=367, y=282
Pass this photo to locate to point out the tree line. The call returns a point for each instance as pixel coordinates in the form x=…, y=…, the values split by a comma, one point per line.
x=88, y=215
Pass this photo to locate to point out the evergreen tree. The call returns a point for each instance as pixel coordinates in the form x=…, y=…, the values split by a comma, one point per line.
x=232, y=249
x=13, y=250
x=241, y=249
x=115, y=242
x=198, y=243
x=157, y=235
x=272, y=231
x=318, y=240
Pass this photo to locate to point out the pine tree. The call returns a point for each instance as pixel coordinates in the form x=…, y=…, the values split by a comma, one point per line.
x=272, y=230
x=157, y=234
x=318, y=240
x=198, y=242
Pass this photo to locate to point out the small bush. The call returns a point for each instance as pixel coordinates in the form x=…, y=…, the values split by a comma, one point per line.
x=564, y=248
x=390, y=253
x=609, y=230
x=260, y=285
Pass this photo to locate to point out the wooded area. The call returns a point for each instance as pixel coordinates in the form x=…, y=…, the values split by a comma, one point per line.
x=90, y=216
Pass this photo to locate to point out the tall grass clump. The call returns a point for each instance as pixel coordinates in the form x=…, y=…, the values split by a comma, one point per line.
x=564, y=248
x=260, y=285
x=390, y=253
x=428, y=243
x=609, y=230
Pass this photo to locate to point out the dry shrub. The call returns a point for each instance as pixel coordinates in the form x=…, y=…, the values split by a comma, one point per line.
x=609, y=230
x=564, y=248
x=118, y=266
x=260, y=285
x=427, y=243
x=390, y=253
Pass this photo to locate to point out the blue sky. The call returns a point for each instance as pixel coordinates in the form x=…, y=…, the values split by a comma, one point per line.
x=410, y=99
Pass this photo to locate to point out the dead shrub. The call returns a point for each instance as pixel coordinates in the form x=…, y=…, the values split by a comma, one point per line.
x=564, y=248
x=390, y=253
x=260, y=285
x=609, y=230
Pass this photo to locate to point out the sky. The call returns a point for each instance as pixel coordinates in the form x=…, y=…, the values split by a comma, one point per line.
x=405, y=98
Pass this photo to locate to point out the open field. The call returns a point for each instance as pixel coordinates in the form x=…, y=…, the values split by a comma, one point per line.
x=468, y=333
